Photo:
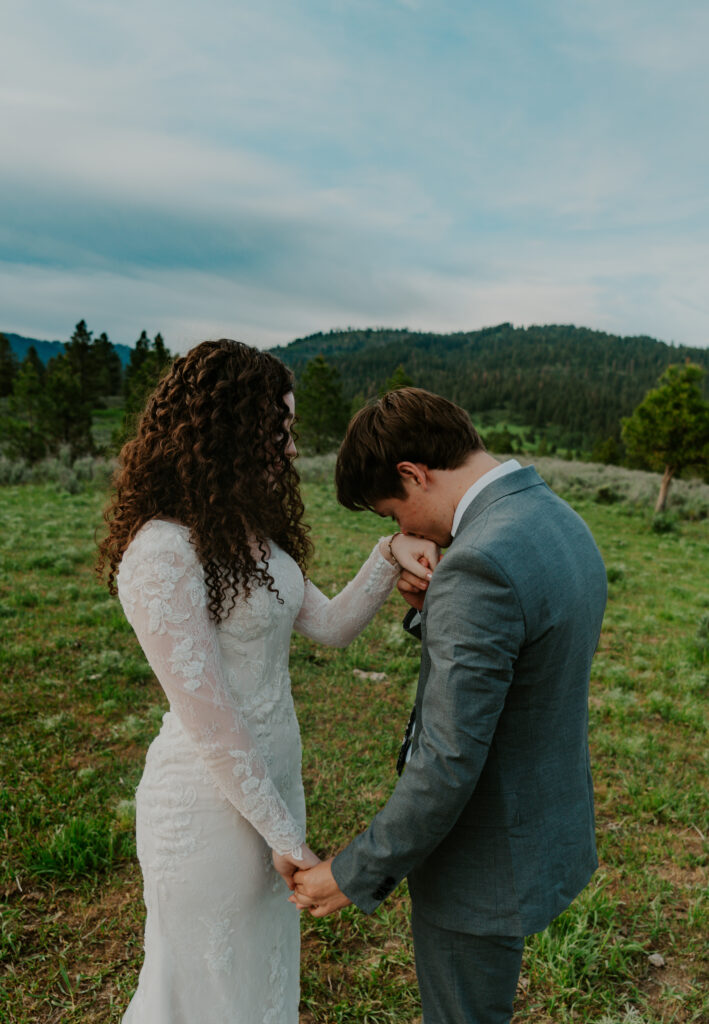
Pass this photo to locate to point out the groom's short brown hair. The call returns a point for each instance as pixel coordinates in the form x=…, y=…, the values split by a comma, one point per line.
x=406, y=425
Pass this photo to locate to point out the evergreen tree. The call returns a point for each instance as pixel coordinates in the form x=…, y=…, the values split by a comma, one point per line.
x=48, y=407
x=66, y=408
x=148, y=362
x=33, y=360
x=95, y=364
x=322, y=411
x=501, y=441
x=162, y=354
x=669, y=430
x=8, y=367
x=22, y=430
x=358, y=402
x=79, y=354
x=398, y=379
x=140, y=353
x=608, y=451
x=106, y=367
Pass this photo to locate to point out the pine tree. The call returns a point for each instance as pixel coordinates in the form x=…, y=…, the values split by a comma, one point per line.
x=398, y=379
x=8, y=367
x=322, y=411
x=669, y=430
x=22, y=430
x=501, y=441
x=79, y=353
x=148, y=362
x=33, y=360
x=106, y=367
x=66, y=407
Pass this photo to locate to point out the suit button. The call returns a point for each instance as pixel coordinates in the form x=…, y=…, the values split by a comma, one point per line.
x=384, y=888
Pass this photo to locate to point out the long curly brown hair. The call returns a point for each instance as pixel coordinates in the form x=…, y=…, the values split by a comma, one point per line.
x=210, y=452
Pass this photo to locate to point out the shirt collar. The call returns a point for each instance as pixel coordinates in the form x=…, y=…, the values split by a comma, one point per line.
x=472, y=492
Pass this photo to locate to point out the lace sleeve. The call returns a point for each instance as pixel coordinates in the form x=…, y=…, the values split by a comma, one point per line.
x=161, y=587
x=337, y=621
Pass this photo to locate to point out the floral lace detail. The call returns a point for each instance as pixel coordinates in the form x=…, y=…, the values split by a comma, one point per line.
x=219, y=953
x=261, y=802
x=178, y=838
x=187, y=662
x=277, y=985
x=252, y=616
x=270, y=702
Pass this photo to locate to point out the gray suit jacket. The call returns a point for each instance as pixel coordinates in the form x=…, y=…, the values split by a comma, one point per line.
x=492, y=820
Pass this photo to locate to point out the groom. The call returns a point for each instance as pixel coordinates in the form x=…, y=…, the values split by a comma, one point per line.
x=492, y=819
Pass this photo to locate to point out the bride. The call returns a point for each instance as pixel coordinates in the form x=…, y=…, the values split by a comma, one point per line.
x=207, y=551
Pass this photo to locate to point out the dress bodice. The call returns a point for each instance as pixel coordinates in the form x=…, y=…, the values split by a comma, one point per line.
x=254, y=641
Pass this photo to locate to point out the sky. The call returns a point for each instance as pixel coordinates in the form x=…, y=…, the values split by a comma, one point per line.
x=266, y=170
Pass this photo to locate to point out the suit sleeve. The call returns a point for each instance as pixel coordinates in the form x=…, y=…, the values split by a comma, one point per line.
x=474, y=630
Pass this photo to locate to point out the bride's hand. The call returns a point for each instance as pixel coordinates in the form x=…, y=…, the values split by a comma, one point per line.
x=286, y=865
x=416, y=555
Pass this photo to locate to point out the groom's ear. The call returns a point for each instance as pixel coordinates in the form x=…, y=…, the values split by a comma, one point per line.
x=414, y=474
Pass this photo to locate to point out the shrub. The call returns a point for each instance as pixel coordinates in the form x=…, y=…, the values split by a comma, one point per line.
x=69, y=475
x=13, y=471
x=317, y=468
x=664, y=522
x=605, y=495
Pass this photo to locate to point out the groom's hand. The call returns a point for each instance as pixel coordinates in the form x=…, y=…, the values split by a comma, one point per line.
x=409, y=586
x=317, y=891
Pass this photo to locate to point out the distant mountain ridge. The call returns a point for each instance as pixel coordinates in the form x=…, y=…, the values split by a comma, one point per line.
x=573, y=383
x=46, y=350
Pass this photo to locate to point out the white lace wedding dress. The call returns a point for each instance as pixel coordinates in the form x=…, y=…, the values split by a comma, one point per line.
x=222, y=782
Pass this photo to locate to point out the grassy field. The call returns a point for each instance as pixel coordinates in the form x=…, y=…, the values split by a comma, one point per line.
x=80, y=708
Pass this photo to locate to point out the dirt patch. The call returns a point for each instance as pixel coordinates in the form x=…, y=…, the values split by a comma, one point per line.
x=79, y=949
x=666, y=989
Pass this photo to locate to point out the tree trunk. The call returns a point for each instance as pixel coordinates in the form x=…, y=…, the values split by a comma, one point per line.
x=664, y=488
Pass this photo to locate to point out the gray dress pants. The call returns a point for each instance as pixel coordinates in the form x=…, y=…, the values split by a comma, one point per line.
x=465, y=979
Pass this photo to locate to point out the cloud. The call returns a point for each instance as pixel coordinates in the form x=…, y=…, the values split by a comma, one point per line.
x=646, y=35
x=283, y=169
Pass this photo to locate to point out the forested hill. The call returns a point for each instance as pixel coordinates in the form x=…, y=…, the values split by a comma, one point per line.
x=572, y=382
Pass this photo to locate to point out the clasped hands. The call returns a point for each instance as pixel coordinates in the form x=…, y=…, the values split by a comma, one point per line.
x=311, y=882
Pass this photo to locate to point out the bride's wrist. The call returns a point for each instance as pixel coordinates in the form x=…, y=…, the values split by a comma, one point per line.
x=386, y=550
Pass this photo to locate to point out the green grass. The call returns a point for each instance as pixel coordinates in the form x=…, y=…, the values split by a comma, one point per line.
x=80, y=707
